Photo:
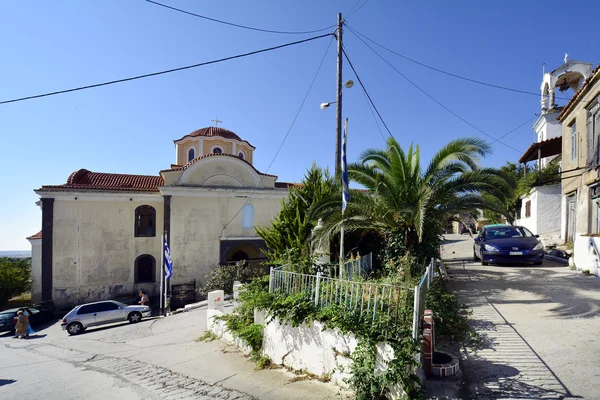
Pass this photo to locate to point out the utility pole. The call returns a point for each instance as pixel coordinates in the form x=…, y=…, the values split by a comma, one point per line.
x=338, y=99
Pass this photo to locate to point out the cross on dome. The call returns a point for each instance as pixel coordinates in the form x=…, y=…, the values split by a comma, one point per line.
x=216, y=121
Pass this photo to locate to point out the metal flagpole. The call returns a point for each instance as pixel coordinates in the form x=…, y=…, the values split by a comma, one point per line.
x=162, y=274
x=345, y=193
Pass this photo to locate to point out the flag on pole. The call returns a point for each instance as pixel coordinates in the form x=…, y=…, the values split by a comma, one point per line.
x=168, y=262
x=345, y=189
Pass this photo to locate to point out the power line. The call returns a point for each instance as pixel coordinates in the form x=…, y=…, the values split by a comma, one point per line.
x=433, y=98
x=162, y=72
x=287, y=133
x=449, y=73
x=374, y=117
x=238, y=25
x=518, y=127
x=366, y=93
x=362, y=5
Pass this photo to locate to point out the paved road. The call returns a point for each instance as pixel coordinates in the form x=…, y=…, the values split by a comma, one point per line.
x=540, y=327
x=154, y=359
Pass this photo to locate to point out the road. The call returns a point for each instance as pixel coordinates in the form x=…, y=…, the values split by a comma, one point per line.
x=153, y=359
x=539, y=326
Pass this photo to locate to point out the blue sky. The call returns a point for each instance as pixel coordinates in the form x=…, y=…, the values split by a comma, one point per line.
x=130, y=127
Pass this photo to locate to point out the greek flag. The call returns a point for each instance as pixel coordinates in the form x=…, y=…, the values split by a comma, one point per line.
x=345, y=189
x=168, y=261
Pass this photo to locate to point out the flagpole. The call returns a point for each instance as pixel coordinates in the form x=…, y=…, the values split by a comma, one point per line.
x=162, y=273
x=345, y=193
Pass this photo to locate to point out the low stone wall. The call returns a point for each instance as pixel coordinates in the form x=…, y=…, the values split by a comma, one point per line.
x=308, y=347
x=584, y=255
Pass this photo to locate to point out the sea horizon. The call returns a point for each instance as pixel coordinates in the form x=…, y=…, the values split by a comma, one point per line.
x=15, y=253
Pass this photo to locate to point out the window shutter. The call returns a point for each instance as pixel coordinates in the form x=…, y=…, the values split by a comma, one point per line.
x=591, y=148
x=596, y=135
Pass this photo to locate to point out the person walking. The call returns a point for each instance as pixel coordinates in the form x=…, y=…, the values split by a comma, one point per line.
x=21, y=325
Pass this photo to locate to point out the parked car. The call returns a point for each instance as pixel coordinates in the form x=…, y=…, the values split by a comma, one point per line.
x=507, y=244
x=37, y=316
x=100, y=313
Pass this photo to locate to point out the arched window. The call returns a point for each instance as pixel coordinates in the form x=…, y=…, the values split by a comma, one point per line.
x=191, y=154
x=144, y=269
x=241, y=155
x=145, y=221
x=217, y=150
x=248, y=216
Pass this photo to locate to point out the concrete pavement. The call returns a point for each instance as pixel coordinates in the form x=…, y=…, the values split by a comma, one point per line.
x=156, y=358
x=539, y=326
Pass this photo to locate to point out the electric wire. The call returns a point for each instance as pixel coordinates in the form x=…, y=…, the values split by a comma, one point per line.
x=350, y=13
x=365, y=90
x=238, y=25
x=287, y=133
x=518, y=127
x=433, y=98
x=374, y=117
x=37, y=96
x=446, y=72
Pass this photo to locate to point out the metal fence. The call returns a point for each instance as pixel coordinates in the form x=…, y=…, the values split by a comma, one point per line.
x=351, y=269
x=420, y=295
x=365, y=297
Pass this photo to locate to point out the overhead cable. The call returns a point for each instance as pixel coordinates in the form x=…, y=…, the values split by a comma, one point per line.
x=238, y=25
x=163, y=72
x=446, y=72
x=287, y=133
x=434, y=99
x=365, y=90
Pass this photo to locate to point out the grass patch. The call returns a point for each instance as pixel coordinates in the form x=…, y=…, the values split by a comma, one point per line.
x=207, y=336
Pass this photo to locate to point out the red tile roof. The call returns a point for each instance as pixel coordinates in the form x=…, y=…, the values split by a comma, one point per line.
x=87, y=180
x=549, y=147
x=189, y=164
x=36, y=236
x=213, y=131
x=587, y=84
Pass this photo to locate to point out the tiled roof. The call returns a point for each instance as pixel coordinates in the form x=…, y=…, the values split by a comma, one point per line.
x=36, y=236
x=189, y=164
x=549, y=147
x=213, y=131
x=580, y=93
x=87, y=180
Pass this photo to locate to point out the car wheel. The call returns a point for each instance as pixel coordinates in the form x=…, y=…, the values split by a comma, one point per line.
x=484, y=262
x=134, y=317
x=475, y=258
x=74, y=328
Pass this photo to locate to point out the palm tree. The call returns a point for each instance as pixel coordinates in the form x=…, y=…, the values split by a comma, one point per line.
x=403, y=197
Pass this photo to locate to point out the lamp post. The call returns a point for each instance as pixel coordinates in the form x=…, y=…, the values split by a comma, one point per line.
x=338, y=137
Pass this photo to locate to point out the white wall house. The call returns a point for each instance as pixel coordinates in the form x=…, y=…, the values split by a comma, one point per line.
x=540, y=213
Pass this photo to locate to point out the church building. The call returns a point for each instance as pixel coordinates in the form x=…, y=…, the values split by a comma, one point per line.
x=101, y=232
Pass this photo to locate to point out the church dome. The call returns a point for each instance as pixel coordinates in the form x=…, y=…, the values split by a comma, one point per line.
x=213, y=131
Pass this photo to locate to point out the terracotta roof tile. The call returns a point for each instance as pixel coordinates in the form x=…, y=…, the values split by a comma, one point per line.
x=579, y=94
x=213, y=131
x=189, y=164
x=36, y=236
x=87, y=180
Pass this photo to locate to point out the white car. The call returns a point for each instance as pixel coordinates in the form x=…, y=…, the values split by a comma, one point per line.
x=102, y=312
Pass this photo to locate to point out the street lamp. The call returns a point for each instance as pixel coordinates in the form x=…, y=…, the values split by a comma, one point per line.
x=349, y=83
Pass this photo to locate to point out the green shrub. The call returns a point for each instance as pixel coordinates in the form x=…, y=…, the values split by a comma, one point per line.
x=15, y=277
x=223, y=277
x=451, y=318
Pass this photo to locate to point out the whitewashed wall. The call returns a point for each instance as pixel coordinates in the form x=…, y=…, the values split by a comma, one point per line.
x=584, y=255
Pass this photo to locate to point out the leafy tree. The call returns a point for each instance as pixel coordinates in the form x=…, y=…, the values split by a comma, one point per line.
x=15, y=277
x=411, y=203
x=288, y=238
